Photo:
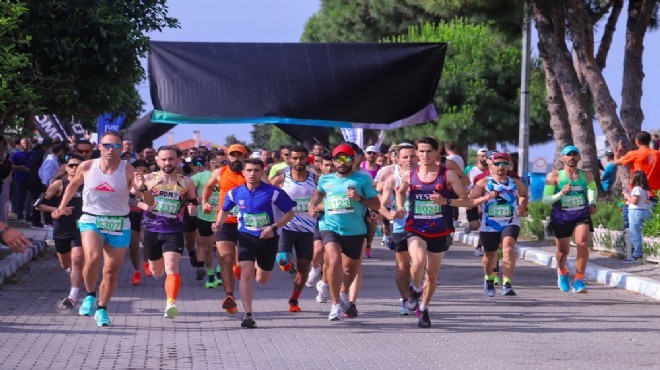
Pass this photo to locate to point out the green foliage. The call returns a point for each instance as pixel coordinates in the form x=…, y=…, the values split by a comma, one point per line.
x=609, y=215
x=531, y=228
x=231, y=139
x=279, y=138
x=652, y=227
x=261, y=135
x=538, y=211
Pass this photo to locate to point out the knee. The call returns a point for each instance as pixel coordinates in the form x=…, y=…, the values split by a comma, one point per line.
x=247, y=273
x=227, y=259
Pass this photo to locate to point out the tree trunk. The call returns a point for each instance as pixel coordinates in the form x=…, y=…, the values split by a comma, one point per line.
x=639, y=16
x=606, y=40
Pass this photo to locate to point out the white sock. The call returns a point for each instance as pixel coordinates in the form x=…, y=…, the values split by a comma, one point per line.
x=416, y=289
x=422, y=307
x=73, y=293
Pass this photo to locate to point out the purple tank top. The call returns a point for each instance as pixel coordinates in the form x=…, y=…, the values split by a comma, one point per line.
x=425, y=217
x=167, y=216
x=371, y=172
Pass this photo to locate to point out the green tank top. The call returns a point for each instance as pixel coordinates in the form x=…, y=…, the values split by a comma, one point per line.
x=576, y=198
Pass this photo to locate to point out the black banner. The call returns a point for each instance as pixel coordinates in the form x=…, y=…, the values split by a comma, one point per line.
x=49, y=126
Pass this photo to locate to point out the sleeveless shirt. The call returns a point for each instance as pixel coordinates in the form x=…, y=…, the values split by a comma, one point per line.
x=425, y=217
x=302, y=193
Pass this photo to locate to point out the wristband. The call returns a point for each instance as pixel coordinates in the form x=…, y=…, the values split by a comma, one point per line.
x=193, y=201
x=4, y=231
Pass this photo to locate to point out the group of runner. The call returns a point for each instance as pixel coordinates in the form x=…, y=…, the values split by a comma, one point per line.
x=318, y=212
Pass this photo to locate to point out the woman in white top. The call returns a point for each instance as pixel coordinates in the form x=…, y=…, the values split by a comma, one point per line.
x=638, y=211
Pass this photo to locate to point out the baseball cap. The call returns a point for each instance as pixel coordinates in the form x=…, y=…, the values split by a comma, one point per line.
x=256, y=155
x=199, y=161
x=371, y=149
x=490, y=153
x=570, y=148
x=499, y=155
x=482, y=151
x=346, y=149
x=609, y=152
x=237, y=148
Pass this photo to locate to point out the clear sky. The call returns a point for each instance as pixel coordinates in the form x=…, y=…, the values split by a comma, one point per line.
x=284, y=20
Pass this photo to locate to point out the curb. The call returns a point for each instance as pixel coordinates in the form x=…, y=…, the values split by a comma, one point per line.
x=11, y=264
x=602, y=275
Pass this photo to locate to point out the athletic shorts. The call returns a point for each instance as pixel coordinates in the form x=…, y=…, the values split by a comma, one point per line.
x=302, y=242
x=64, y=245
x=566, y=230
x=122, y=240
x=155, y=244
x=204, y=227
x=472, y=214
x=399, y=242
x=351, y=245
x=263, y=251
x=491, y=240
x=136, y=220
x=189, y=222
x=227, y=233
x=317, y=233
x=434, y=245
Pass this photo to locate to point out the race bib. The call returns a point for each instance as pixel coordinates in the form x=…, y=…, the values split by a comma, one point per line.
x=426, y=209
x=256, y=222
x=111, y=225
x=572, y=202
x=167, y=207
x=496, y=211
x=338, y=204
x=302, y=206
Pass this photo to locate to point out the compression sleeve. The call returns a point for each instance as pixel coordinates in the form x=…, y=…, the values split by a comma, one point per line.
x=592, y=192
x=549, y=195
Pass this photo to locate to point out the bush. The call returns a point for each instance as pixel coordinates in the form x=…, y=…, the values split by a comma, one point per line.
x=609, y=215
x=531, y=228
x=538, y=211
x=652, y=226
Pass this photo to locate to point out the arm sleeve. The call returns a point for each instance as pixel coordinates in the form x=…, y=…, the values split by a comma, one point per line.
x=592, y=192
x=549, y=195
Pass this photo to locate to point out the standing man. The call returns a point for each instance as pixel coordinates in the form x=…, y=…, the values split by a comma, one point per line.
x=104, y=225
x=572, y=193
x=505, y=201
x=609, y=174
x=127, y=150
x=299, y=183
x=645, y=159
x=262, y=210
x=346, y=195
x=164, y=225
x=20, y=161
x=429, y=189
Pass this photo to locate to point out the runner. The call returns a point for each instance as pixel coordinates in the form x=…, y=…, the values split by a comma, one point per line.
x=299, y=183
x=429, y=220
x=135, y=217
x=372, y=168
x=388, y=183
x=197, y=164
x=504, y=201
x=262, y=209
x=104, y=225
x=472, y=214
x=572, y=193
x=65, y=233
x=346, y=196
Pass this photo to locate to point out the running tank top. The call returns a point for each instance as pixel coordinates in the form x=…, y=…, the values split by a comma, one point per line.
x=302, y=193
x=167, y=216
x=574, y=205
x=106, y=194
x=425, y=217
x=228, y=180
x=399, y=224
x=65, y=226
x=371, y=172
x=500, y=212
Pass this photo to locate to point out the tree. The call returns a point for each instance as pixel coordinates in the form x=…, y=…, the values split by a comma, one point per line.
x=231, y=139
x=84, y=56
x=261, y=134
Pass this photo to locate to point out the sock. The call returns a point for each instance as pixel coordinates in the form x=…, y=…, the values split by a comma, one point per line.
x=579, y=276
x=295, y=294
x=172, y=286
x=248, y=314
x=93, y=294
x=73, y=293
x=230, y=294
x=563, y=271
x=217, y=268
x=99, y=307
x=416, y=289
x=422, y=307
x=507, y=280
x=210, y=272
x=490, y=277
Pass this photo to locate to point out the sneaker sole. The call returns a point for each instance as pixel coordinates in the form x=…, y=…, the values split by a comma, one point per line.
x=336, y=318
x=295, y=309
x=68, y=304
x=583, y=291
x=229, y=304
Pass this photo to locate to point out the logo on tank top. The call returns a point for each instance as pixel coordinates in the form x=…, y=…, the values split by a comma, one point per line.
x=105, y=187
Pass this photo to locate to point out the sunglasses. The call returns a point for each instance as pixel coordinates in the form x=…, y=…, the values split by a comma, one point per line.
x=343, y=158
x=572, y=154
x=73, y=165
x=501, y=164
x=113, y=146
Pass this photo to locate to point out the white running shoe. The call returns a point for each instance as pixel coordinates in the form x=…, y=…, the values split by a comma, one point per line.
x=171, y=311
x=335, y=313
x=344, y=301
x=314, y=273
x=324, y=292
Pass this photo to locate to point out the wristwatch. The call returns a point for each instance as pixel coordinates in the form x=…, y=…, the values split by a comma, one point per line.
x=448, y=201
x=274, y=228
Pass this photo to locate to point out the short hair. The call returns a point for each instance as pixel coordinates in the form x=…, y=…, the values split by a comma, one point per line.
x=254, y=161
x=643, y=138
x=84, y=142
x=173, y=148
x=327, y=157
x=435, y=144
x=76, y=156
x=113, y=133
x=450, y=145
x=298, y=149
x=140, y=163
x=288, y=147
x=57, y=149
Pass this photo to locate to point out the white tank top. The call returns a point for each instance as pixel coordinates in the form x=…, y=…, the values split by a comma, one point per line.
x=302, y=193
x=106, y=194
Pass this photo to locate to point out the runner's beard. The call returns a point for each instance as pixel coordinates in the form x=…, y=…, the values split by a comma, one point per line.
x=300, y=168
x=236, y=166
x=343, y=169
x=168, y=169
x=484, y=163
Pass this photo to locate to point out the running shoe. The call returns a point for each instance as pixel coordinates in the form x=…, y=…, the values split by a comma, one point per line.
x=171, y=311
x=218, y=276
x=293, y=306
x=200, y=273
x=508, y=290
x=479, y=251
x=102, y=318
x=323, y=292
x=579, y=287
x=632, y=260
x=87, y=306
x=413, y=301
x=367, y=252
x=424, y=319
x=237, y=272
x=351, y=312
x=147, y=270
x=232, y=311
x=287, y=267
x=69, y=303
x=314, y=274
x=563, y=283
x=137, y=277
x=489, y=287
x=229, y=305
x=344, y=301
x=248, y=322
x=335, y=312
x=210, y=282
x=404, y=311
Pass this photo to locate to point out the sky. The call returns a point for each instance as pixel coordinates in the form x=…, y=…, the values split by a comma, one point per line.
x=284, y=20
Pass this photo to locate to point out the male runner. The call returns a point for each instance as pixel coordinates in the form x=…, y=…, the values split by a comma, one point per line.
x=262, y=210
x=136, y=229
x=572, y=193
x=104, y=225
x=472, y=214
x=505, y=200
x=346, y=196
x=371, y=167
x=429, y=220
x=164, y=225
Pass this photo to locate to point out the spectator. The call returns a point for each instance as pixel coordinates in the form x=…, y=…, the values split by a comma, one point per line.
x=149, y=156
x=40, y=151
x=452, y=154
x=5, y=179
x=127, y=152
x=638, y=212
x=656, y=141
x=48, y=169
x=609, y=174
x=20, y=161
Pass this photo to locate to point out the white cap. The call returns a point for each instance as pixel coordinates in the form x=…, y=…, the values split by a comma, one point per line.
x=482, y=150
x=371, y=148
x=256, y=155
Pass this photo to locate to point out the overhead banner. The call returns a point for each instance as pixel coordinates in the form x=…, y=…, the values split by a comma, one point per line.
x=109, y=122
x=49, y=126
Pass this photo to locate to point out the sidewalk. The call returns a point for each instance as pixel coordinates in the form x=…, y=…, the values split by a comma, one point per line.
x=11, y=262
x=604, y=268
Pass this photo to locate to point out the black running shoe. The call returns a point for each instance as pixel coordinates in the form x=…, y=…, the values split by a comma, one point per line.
x=248, y=322
x=351, y=312
x=424, y=320
x=192, y=257
x=200, y=273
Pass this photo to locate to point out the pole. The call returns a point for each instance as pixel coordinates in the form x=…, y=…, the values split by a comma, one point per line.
x=523, y=138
